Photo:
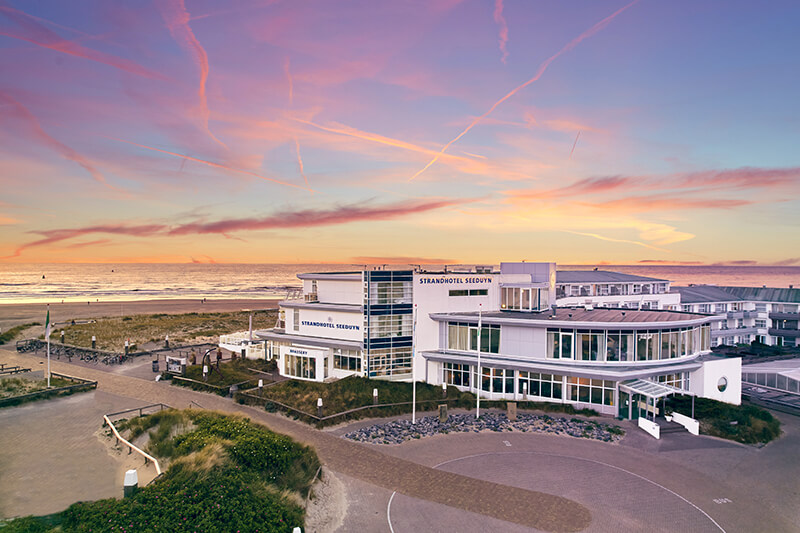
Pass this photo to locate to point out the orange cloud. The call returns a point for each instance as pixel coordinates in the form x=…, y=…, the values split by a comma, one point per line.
x=569, y=46
x=402, y=260
x=215, y=165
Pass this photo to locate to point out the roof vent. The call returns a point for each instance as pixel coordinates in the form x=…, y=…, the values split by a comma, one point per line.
x=623, y=313
x=588, y=307
x=569, y=315
x=554, y=307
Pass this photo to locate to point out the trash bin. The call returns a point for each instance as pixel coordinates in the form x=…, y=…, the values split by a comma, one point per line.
x=155, y=365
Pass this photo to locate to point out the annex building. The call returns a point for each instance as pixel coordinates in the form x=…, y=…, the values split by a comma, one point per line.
x=613, y=342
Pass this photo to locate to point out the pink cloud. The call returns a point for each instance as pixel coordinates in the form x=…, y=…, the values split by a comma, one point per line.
x=542, y=68
x=177, y=19
x=503, y=32
x=34, y=32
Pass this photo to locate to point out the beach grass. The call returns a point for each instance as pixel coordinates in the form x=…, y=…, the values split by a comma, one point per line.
x=10, y=387
x=234, y=371
x=9, y=334
x=140, y=330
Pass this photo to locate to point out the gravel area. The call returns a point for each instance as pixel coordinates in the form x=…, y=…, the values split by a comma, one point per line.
x=399, y=431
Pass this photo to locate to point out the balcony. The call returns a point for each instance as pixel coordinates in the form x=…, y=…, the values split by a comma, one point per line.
x=791, y=333
x=776, y=315
x=311, y=297
x=744, y=314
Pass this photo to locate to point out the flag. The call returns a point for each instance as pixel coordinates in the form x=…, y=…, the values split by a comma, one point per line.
x=47, y=325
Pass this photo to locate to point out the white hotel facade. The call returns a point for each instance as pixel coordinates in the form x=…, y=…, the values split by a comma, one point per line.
x=533, y=344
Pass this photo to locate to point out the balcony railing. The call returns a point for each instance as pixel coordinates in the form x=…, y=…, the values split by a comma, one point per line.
x=792, y=333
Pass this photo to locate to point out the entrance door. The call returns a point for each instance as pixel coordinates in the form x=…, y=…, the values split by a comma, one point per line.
x=624, y=405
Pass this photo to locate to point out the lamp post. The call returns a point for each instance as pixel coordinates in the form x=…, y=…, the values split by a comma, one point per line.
x=413, y=377
x=480, y=376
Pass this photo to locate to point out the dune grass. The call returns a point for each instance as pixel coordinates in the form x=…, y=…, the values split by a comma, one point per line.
x=225, y=474
x=748, y=424
x=9, y=335
x=186, y=328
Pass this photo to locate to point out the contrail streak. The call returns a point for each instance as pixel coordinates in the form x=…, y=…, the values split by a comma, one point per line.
x=625, y=241
x=36, y=128
x=177, y=19
x=212, y=164
x=300, y=163
x=501, y=21
x=289, y=79
x=569, y=46
x=574, y=144
x=36, y=33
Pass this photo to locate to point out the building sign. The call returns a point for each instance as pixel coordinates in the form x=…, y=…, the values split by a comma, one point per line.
x=331, y=325
x=176, y=365
x=454, y=280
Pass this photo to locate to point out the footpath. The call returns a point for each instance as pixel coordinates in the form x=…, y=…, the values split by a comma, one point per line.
x=361, y=461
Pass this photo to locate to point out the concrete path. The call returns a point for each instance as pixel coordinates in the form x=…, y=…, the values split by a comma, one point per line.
x=576, y=484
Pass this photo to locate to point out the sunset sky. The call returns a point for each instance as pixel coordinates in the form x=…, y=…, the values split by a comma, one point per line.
x=400, y=131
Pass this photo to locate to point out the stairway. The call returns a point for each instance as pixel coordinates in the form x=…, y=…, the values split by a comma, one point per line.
x=669, y=427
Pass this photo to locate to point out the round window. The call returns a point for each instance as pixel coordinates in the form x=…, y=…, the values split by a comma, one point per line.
x=722, y=384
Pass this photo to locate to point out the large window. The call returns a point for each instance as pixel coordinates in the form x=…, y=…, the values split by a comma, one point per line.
x=541, y=385
x=619, y=346
x=679, y=381
x=464, y=337
x=496, y=380
x=647, y=345
x=588, y=345
x=390, y=362
x=347, y=359
x=560, y=343
x=585, y=390
x=469, y=292
x=456, y=374
x=296, y=319
x=300, y=366
x=382, y=326
x=523, y=299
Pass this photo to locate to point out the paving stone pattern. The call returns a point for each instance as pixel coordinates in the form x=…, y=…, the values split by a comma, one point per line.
x=402, y=430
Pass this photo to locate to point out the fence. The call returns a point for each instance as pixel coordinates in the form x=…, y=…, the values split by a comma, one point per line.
x=80, y=385
x=131, y=447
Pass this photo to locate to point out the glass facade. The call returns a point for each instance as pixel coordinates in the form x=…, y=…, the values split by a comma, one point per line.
x=346, y=359
x=299, y=366
x=625, y=345
x=585, y=390
x=523, y=298
x=388, y=322
x=540, y=385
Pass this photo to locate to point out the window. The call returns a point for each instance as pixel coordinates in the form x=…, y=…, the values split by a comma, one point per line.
x=464, y=337
x=296, y=320
x=761, y=323
x=722, y=384
x=300, y=366
x=587, y=345
x=687, y=308
x=456, y=374
x=721, y=308
x=522, y=299
x=559, y=343
x=347, y=359
x=541, y=385
x=705, y=308
x=470, y=292
x=595, y=391
x=497, y=380
x=389, y=361
x=383, y=326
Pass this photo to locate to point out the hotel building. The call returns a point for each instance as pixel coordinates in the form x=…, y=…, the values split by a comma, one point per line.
x=537, y=337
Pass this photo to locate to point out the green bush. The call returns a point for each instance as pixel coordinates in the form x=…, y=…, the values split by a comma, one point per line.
x=9, y=335
x=748, y=424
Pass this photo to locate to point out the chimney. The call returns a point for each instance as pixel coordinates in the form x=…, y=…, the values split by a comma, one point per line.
x=554, y=308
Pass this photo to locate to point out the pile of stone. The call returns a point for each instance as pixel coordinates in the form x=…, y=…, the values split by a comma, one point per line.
x=403, y=430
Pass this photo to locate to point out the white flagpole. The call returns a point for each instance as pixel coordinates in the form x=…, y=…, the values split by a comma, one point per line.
x=47, y=334
x=413, y=380
x=480, y=377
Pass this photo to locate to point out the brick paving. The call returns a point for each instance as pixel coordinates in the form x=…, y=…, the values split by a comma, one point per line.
x=532, y=509
x=483, y=491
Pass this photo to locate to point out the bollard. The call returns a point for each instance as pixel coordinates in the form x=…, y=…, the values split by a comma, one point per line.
x=524, y=390
x=444, y=390
x=319, y=407
x=374, y=396
x=442, y=413
x=62, y=336
x=131, y=483
x=205, y=372
x=297, y=530
x=166, y=341
x=511, y=411
x=127, y=344
x=260, y=386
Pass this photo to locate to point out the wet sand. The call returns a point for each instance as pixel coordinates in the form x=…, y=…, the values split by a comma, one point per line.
x=14, y=314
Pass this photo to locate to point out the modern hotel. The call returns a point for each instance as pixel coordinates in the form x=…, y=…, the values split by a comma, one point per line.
x=523, y=332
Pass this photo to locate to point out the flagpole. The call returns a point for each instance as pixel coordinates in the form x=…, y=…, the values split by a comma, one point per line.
x=47, y=336
x=480, y=377
x=413, y=380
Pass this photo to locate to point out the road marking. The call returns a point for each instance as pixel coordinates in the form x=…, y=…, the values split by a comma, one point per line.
x=506, y=443
x=589, y=461
x=721, y=501
x=389, y=512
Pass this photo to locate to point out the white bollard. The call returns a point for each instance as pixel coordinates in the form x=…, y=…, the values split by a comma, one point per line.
x=319, y=407
x=374, y=396
x=131, y=483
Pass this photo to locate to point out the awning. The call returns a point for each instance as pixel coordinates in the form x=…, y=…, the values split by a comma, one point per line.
x=651, y=389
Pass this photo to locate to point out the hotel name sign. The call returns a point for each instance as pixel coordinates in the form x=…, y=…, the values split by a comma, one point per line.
x=454, y=280
x=332, y=325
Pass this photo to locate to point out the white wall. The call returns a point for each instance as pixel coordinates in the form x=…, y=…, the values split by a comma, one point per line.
x=342, y=325
x=704, y=380
x=340, y=292
x=529, y=343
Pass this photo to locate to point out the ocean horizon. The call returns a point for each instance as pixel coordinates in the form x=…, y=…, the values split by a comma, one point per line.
x=76, y=282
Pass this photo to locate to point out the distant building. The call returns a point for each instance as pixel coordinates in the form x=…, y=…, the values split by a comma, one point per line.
x=612, y=342
x=746, y=314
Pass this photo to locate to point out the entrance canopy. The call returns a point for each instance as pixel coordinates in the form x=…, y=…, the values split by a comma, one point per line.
x=650, y=389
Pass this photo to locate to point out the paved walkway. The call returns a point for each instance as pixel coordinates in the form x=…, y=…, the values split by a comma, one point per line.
x=532, y=509
x=408, y=469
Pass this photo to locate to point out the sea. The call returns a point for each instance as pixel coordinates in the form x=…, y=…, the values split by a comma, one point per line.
x=54, y=282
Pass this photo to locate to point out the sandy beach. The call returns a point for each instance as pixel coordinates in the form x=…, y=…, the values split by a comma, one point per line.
x=14, y=314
